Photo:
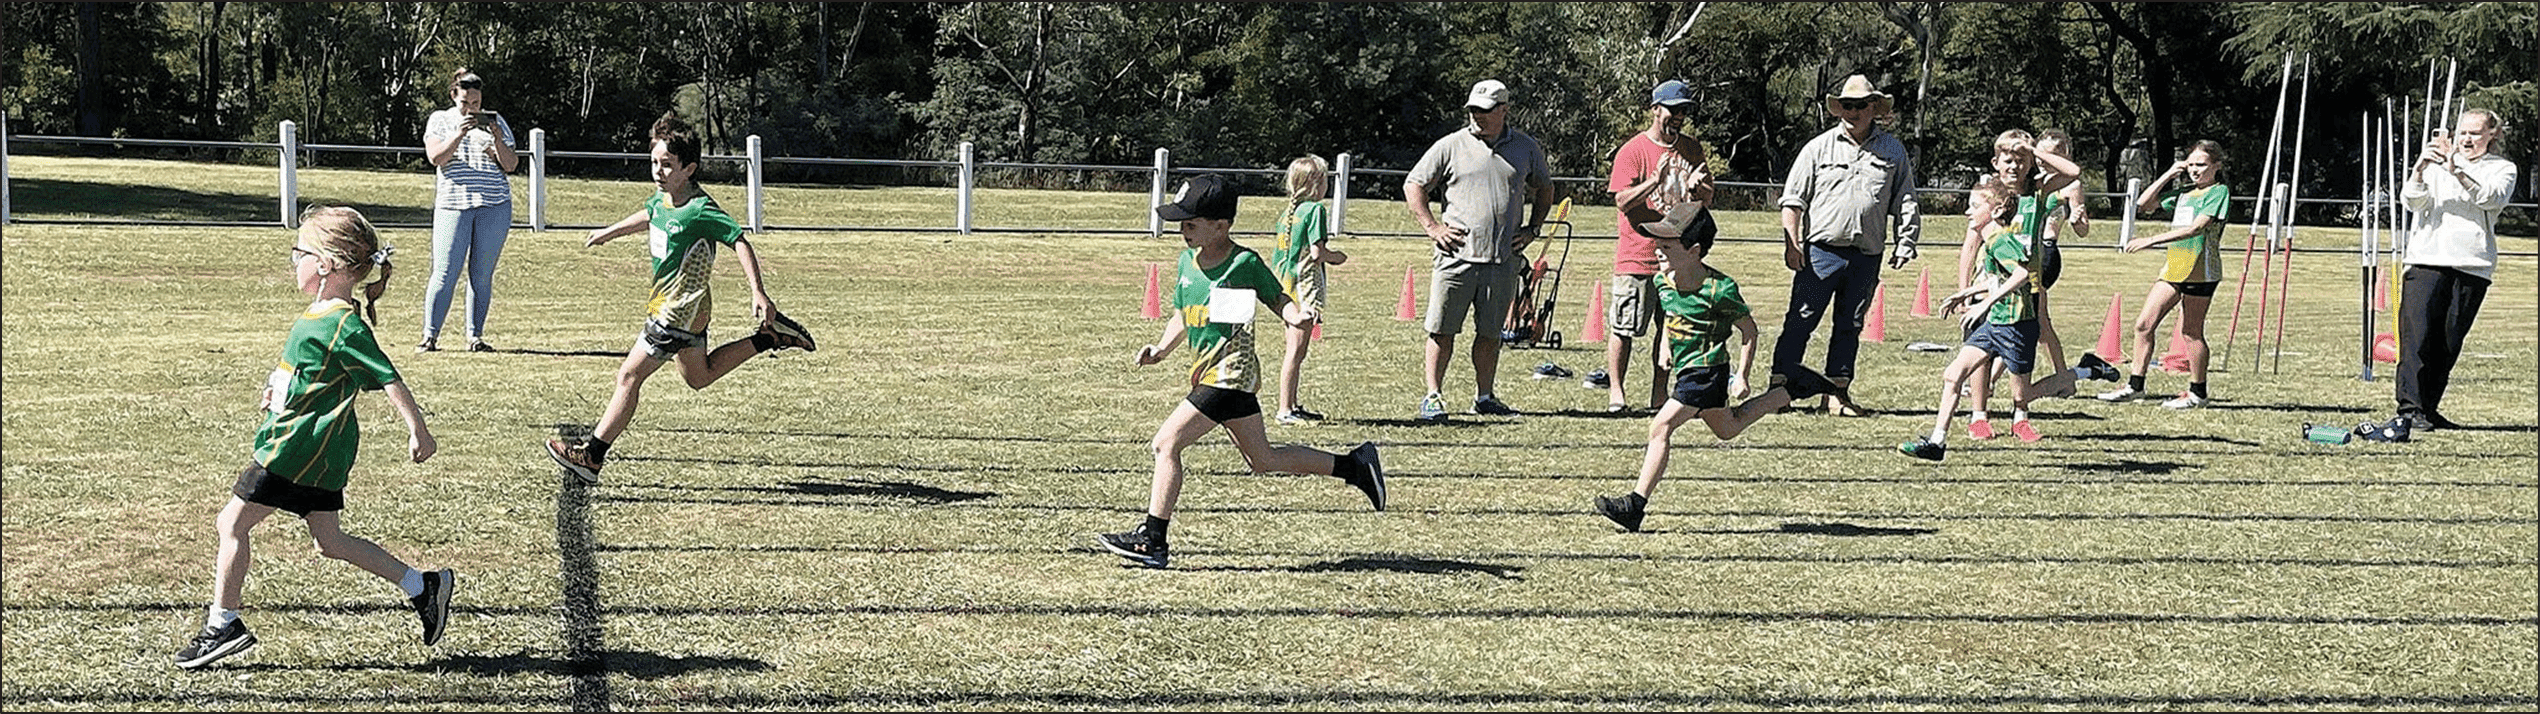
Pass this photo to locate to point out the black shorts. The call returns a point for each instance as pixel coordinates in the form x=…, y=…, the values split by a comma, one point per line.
x=1224, y=405
x=2050, y=266
x=1702, y=387
x=2200, y=290
x=263, y=488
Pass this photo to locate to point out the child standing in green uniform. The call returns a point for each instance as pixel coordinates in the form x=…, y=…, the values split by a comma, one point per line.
x=1700, y=306
x=1218, y=283
x=2190, y=275
x=1303, y=250
x=686, y=226
x=304, y=452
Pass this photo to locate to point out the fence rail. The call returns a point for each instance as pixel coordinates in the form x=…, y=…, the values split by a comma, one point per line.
x=292, y=154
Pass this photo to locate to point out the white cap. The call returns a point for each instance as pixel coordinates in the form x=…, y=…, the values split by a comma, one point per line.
x=1487, y=94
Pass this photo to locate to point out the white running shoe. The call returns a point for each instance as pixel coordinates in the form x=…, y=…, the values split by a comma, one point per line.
x=2121, y=394
x=2185, y=400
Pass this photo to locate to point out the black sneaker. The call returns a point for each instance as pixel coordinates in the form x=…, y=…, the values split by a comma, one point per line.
x=1625, y=510
x=1549, y=370
x=788, y=333
x=1596, y=379
x=2096, y=368
x=433, y=606
x=1803, y=383
x=575, y=459
x=1138, y=546
x=1923, y=448
x=2396, y=431
x=214, y=643
x=1491, y=406
x=1371, y=473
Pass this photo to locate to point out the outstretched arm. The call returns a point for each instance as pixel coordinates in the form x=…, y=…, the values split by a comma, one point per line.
x=419, y=442
x=631, y=223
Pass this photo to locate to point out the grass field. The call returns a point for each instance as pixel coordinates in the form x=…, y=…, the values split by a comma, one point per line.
x=903, y=519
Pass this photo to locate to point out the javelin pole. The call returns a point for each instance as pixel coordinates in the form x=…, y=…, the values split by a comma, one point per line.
x=2293, y=210
x=2240, y=290
x=2364, y=248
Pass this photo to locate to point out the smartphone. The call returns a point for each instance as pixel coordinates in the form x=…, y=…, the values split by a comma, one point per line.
x=486, y=119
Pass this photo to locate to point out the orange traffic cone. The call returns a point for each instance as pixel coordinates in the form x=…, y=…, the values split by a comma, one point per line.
x=1596, y=316
x=2112, y=334
x=1154, y=309
x=1922, y=295
x=2174, y=360
x=1875, y=328
x=1408, y=308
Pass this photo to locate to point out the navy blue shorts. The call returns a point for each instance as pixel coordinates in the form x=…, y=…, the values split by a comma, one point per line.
x=1224, y=405
x=2014, y=344
x=1703, y=387
x=2202, y=290
x=263, y=488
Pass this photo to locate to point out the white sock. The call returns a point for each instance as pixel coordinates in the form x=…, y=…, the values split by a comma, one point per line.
x=219, y=618
x=412, y=583
x=1938, y=434
x=2019, y=415
x=1978, y=415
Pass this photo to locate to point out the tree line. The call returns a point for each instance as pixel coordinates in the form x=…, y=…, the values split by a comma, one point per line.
x=1251, y=85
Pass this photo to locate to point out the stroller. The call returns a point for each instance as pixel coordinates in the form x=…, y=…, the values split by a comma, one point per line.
x=1529, y=324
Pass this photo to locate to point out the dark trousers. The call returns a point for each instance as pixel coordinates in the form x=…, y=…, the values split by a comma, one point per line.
x=1844, y=277
x=2436, y=307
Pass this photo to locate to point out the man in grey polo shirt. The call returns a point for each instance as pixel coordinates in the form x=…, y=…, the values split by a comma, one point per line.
x=1496, y=189
x=1846, y=188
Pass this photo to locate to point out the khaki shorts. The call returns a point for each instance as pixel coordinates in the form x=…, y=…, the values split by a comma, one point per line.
x=1485, y=290
x=1632, y=306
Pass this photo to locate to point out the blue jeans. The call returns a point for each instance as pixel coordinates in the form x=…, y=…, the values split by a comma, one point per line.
x=1847, y=278
x=464, y=238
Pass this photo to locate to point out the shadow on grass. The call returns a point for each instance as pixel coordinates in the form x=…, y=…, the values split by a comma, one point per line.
x=1838, y=529
x=2253, y=407
x=561, y=353
x=640, y=665
x=2167, y=438
x=900, y=490
x=1006, y=698
x=49, y=198
x=2130, y=466
x=1407, y=564
x=901, y=466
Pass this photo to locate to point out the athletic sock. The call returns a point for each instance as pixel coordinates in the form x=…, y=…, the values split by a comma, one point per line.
x=762, y=342
x=218, y=618
x=2198, y=389
x=599, y=450
x=2135, y=383
x=1346, y=468
x=1979, y=415
x=1156, y=527
x=1938, y=434
x=412, y=583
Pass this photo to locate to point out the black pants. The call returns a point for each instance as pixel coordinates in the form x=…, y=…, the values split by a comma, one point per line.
x=2436, y=307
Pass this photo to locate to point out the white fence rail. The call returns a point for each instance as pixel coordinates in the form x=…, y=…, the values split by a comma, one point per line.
x=965, y=170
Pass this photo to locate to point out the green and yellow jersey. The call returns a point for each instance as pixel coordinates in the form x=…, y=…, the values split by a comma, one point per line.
x=2197, y=258
x=1222, y=354
x=1302, y=226
x=310, y=435
x=683, y=241
x=1698, y=321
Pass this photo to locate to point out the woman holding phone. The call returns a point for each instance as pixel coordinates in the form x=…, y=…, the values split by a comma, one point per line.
x=471, y=209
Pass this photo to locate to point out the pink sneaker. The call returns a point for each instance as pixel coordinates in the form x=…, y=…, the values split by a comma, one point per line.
x=1980, y=429
x=2023, y=430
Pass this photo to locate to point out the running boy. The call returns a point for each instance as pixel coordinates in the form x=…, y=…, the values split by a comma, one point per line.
x=2001, y=310
x=686, y=226
x=2190, y=276
x=1697, y=320
x=1304, y=236
x=304, y=452
x=1213, y=312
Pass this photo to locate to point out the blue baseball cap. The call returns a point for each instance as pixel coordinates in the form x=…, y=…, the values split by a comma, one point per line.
x=1671, y=93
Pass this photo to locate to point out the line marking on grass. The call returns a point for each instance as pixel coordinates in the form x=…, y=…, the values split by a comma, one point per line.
x=586, y=661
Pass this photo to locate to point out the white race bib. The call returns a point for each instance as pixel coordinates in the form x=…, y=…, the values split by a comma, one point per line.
x=277, y=389
x=1230, y=306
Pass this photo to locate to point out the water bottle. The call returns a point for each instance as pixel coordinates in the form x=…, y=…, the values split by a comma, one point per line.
x=2326, y=434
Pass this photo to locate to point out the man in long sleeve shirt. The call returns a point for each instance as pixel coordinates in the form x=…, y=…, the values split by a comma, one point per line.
x=1846, y=189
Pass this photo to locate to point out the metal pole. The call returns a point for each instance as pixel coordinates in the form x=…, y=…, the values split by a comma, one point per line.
x=2364, y=247
x=966, y=177
x=758, y=187
x=4, y=168
x=1155, y=192
x=1340, y=195
x=538, y=180
x=290, y=132
x=2292, y=205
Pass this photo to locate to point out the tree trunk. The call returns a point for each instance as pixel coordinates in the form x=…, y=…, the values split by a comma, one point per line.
x=92, y=80
x=2157, y=75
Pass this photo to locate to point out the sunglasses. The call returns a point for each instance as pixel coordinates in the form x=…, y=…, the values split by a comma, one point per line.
x=1853, y=104
x=471, y=83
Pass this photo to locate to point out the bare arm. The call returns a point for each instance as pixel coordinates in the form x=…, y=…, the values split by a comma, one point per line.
x=1416, y=196
x=1164, y=344
x=761, y=307
x=1745, y=356
x=440, y=151
x=502, y=150
x=631, y=223
x=2171, y=236
x=419, y=442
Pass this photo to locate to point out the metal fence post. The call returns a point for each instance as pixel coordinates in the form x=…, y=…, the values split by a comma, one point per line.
x=290, y=173
x=1155, y=192
x=1340, y=195
x=538, y=180
x=968, y=177
x=2125, y=231
x=758, y=187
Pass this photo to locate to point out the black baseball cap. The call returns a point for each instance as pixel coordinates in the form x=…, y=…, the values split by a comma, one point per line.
x=1202, y=196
